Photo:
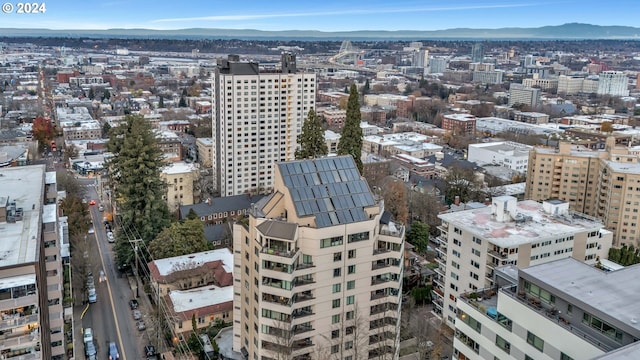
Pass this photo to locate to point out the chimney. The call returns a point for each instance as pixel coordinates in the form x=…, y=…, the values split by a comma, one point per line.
x=457, y=200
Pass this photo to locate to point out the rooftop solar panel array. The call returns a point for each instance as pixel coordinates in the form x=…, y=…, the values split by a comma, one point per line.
x=329, y=188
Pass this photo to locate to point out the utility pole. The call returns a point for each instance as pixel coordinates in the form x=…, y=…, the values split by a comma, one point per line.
x=135, y=251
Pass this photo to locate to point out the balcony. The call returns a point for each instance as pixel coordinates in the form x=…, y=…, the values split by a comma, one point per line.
x=300, y=313
x=379, y=251
x=381, y=308
x=284, y=268
x=299, y=329
x=303, y=296
x=301, y=281
x=12, y=321
x=283, y=252
x=499, y=255
x=303, y=266
x=534, y=303
x=376, y=265
x=281, y=300
x=301, y=344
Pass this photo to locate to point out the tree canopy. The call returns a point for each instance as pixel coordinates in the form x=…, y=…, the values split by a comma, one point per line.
x=625, y=256
x=42, y=130
x=351, y=138
x=180, y=238
x=418, y=235
x=311, y=139
x=134, y=172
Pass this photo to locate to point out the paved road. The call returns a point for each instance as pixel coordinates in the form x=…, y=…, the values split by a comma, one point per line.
x=110, y=317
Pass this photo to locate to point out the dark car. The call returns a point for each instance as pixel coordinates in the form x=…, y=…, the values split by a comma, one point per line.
x=150, y=352
x=133, y=304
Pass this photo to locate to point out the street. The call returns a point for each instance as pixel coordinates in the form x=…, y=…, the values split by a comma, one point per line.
x=110, y=317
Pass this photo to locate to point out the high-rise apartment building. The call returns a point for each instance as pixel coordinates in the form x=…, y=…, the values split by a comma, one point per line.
x=437, y=65
x=509, y=232
x=519, y=94
x=257, y=117
x=477, y=52
x=562, y=309
x=31, y=292
x=614, y=83
x=319, y=267
x=601, y=183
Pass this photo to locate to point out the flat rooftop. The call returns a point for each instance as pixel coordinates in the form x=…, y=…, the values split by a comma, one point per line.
x=20, y=240
x=539, y=225
x=613, y=293
x=169, y=265
x=200, y=297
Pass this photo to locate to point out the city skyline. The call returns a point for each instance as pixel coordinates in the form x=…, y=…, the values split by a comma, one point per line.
x=330, y=15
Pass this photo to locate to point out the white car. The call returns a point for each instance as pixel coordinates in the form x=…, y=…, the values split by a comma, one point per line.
x=110, y=237
x=88, y=335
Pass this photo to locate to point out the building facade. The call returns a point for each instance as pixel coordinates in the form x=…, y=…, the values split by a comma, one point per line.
x=257, y=117
x=31, y=290
x=600, y=183
x=508, y=154
x=562, y=309
x=509, y=232
x=183, y=186
x=459, y=124
x=205, y=151
x=320, y=272
x=519, y=94
x=614, y=83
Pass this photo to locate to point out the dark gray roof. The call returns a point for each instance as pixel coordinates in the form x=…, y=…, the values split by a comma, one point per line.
x=330, y=188
x=278, y=229
x=221, y=204
x=216, y=232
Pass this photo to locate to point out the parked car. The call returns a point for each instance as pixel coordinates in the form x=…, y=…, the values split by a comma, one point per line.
x=93, y=297
x=113, y=351
x=90, y=349
x=141, y=325
x=92, y=202
x=149, y=350
x=133, y=304
x=101, y=207
x=137, y=315
x=88, y=335
x=110, y=237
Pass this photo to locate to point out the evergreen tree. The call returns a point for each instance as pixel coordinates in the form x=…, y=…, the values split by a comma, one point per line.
x=92, y=94
x=134, y=172
x=161, y=102
x=181, y=238
x=106, y=95
x=351, y=140
x=311, y=140
x=366, y=88
x=183, y=102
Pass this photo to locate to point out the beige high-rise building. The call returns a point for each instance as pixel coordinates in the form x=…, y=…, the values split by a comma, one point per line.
x=31, y=292
x=257, y=117
x=601, y=183
x=319, y=267
x=508, y=232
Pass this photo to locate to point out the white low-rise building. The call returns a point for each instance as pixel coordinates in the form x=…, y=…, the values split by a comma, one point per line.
x=511, y=155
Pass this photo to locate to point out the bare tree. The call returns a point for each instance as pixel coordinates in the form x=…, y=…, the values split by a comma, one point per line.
x=80, y=267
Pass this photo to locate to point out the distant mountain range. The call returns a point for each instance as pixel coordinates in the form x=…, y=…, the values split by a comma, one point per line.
x=572, y=31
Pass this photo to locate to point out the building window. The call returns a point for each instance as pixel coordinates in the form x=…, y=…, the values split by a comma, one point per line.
x=564, y=356
x=358, y=237
x=535, y=341
x=336, y=288
x=335, y=319
x=334, y=241
x=352, y=254
x=602, y=326
x=335, y=334
x=351, y=269
x=337, y=256
x=336, y=272
x=335, y=303
x=503, y=344
x=335, y=349
x=351, y=299
x=351, y=284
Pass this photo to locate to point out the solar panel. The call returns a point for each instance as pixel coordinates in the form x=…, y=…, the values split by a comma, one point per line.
x=330, y=189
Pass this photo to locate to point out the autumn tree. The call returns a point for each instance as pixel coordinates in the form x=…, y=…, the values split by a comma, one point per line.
x=311, y=140
x=180, y=238
x=394, y=194
x=134, y=174
x=607, y=127
x=77, y=214
x=351, y=138
x=42, y=131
